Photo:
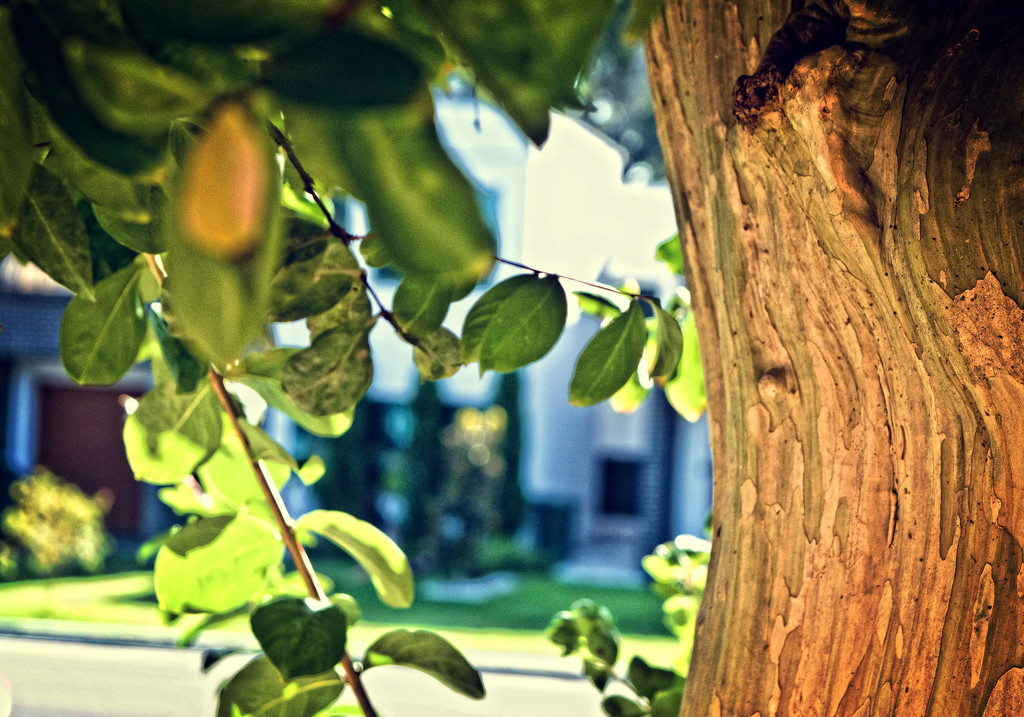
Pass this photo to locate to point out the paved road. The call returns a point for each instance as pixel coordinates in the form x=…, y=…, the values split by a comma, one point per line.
x=43, y=677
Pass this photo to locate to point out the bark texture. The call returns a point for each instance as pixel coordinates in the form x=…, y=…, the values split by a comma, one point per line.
x=856, y=266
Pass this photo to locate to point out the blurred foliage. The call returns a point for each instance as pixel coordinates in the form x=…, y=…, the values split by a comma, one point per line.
x=679, y=570
x=53, y=527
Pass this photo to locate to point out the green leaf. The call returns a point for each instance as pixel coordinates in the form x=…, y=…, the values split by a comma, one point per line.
x=332, y=374
x=258, y=690
x=421, y=206
x=437, y=356
x=364, y=71
x=669, y=348
x=300, y=636
x=619, y=706
x=631, y=396
x=515, y=323
x=100, y=339
x=237, y=21
x=378, y=555
x=375, y=251
x=609, y=359
x=597, y=672
x=597, y=305
x=563, y=632
x=129, y=91
x=420, y=304
x=227, y=476
x=53, y=234
x=307, y=285
x=528, y=54
x=647, y=680
x=197, y=534
x=221, y=574
x=263, y=374
x=670, y=251
x=429, y=653
x=15, y=131
x=667, y=704
x=226, y=236
x=170, y=433
x=603, y=643
x=352, y=313
x=686, y=391
x=312, y=470
x=42, y=47
x=640, y=18
x=184, y=367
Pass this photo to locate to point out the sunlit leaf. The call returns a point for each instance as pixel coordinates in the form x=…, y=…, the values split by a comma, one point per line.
x=630, y=397
x=669, y=347
x=429, y=653
x=344, y=68
x=686, y=390
x=378, y=555
x=528, y=54
x=228, y=478
x=258, y=690
x=609, y=359
x=670, y=251
x=515, y=323
x=221, y=574
x=99, y=339
x=300, y=636
x=438, y=355
x=53, y=234
x=169, y=434
x=312, y=470
x=197, y=535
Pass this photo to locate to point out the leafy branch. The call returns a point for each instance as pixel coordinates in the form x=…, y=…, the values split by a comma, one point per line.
x=286, y=527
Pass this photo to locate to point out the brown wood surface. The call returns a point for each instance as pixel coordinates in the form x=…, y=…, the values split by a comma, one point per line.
x=856, y=267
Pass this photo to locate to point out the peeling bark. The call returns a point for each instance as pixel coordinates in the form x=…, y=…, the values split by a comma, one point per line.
x=855, y=261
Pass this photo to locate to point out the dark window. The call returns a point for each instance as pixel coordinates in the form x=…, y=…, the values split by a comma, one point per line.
x=620, y=493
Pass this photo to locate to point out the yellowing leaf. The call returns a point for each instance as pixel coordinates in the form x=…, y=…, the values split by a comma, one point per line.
x=224, y=189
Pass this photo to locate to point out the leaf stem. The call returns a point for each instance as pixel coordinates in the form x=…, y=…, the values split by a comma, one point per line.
x=286, y=525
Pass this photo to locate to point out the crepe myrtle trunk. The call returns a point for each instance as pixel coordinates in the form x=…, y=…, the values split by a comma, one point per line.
x=849, y=183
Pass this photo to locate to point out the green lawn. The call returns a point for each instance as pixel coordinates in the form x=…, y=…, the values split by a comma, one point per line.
x=122, y=606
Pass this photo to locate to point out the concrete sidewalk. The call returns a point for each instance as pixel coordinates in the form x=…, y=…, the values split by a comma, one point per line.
x=50, y=677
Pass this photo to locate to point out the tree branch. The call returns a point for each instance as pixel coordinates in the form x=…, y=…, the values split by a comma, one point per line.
x=286, y=526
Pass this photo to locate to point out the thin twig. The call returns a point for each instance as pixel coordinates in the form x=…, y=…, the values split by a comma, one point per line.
x=602, y=287
x=308, y=185
x=286, y=526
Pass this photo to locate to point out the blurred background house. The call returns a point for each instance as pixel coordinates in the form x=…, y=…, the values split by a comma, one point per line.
x=472, y=473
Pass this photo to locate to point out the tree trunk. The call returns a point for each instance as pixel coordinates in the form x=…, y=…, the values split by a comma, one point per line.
x=855, y=261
